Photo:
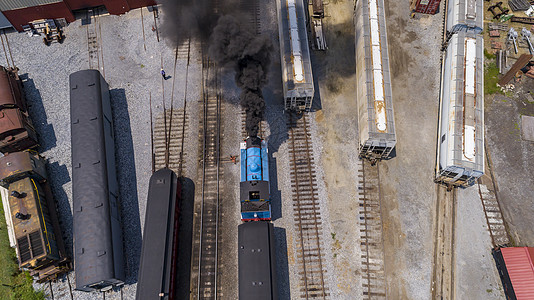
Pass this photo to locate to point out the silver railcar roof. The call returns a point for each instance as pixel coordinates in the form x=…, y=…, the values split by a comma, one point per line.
x=294, y=50
x=375, y=106
x=465, y=13
x=461, y=139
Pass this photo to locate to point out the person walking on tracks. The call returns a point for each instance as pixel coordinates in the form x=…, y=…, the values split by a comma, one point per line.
x=163, y=74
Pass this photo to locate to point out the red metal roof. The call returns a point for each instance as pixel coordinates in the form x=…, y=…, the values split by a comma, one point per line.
x=520, y=265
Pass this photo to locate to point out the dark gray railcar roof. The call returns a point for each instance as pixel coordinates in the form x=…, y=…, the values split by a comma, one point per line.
x=257, y=276
x=156, y=253
x=93, y=251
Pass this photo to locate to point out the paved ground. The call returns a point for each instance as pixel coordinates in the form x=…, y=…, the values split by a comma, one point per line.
x=407, y=180
x=337, y=133
x=527, y=128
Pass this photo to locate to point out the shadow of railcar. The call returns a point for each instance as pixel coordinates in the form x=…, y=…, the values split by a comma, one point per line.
x=185, y=238
x=127, y=178
x=37, y=112
x=282, y=266
x=58, y=176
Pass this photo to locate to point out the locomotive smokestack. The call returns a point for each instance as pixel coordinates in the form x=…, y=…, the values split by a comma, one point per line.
x=249, y=54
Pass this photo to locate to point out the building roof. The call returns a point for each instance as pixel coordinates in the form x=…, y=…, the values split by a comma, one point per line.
x=520, y=267
x=17, y=4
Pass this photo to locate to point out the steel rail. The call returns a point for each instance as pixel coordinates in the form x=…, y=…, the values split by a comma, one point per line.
x=153, y=155
x=217, y=151
x=70, y=287
x=181, y=159
x=205, y=109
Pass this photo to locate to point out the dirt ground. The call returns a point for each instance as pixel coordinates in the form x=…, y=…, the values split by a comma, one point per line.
x=513, y=159
x=407, y=180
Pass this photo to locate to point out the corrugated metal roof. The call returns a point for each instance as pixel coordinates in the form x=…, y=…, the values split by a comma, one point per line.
x=520, y=267
x=4, y=22
x=16, y=4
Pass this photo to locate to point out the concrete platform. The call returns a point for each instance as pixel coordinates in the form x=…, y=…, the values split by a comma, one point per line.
x=527, y=128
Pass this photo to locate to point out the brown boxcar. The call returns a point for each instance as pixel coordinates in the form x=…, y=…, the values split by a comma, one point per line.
x=39, y=242
x=11, y=92
x=425, y=6
x=16, y=131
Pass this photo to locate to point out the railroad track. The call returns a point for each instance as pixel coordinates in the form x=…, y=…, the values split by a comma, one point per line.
x=487, y=190
x=94, y=41
x=168, y=143
x=62, y=292
x=7, y=49
x=204, y=269
x=253, y=7
x=307, y=211
x=371, y=244
x=168, y=132
x=443, y=272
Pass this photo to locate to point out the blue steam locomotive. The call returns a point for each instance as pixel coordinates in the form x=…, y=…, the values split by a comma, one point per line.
x=256, y=250
x=254, y=186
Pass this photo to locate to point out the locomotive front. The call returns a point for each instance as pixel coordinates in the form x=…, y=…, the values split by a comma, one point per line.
x=254, y=185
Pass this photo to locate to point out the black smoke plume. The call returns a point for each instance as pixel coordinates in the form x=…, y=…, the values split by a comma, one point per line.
x=230, y=44
x=233, y=45
x=185, y=18
x=194, y=18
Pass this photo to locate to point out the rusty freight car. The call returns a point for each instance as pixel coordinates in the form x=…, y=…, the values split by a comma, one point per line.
x=16, y=130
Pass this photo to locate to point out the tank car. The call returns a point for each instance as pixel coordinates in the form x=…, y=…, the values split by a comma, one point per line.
x=159, y=254
x=460, y=150
x=35, y=227
x=297, y=78
x=254, y=185
x=16, y=130
x=98, y=248
x=464, y=15
x=257, y=262
x=376, y=124
x=461, y=122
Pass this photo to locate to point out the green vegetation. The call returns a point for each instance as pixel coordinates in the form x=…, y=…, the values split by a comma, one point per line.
x=489, y=55
x=14, y=284
x=333, y=236
x=491, y=77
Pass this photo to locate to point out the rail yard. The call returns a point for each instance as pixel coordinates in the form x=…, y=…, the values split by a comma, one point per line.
x=375, y=165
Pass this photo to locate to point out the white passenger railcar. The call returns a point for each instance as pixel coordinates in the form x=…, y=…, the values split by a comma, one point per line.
x=297, y=75
x=373, y=83
x=461, y=125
